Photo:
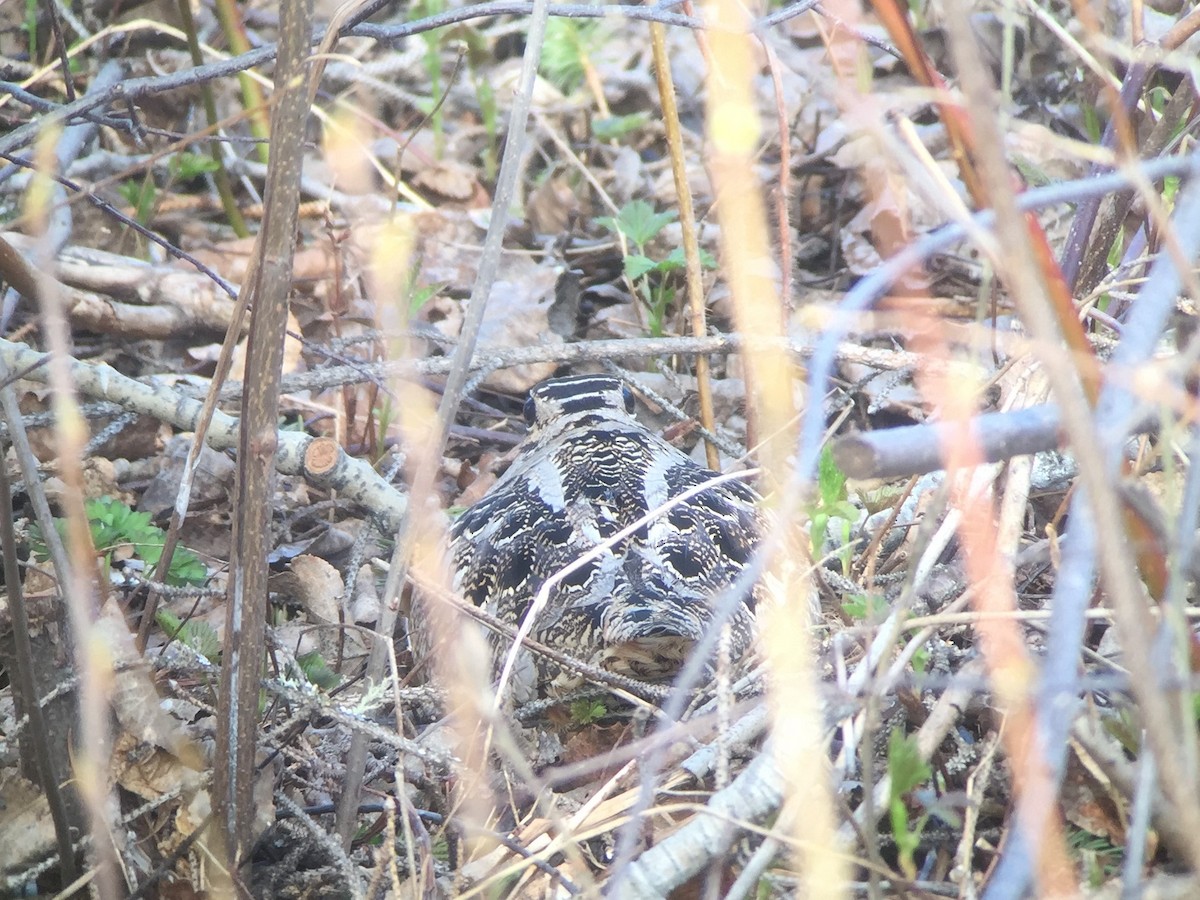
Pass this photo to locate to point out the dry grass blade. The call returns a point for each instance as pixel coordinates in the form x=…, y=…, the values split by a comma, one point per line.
x=432, y=441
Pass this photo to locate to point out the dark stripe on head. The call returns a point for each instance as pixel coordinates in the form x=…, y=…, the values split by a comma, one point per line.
x=575, y=386
x=577, y=394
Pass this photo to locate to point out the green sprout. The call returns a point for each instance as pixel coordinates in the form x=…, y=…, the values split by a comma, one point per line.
x=117, y=529
x=652, y=278
x=832, y=509
x=586, y=712
x=907, y=771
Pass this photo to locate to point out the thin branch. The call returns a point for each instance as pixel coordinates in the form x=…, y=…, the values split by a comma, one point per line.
x=687, y=222
x=917, y=449
x=246, y=609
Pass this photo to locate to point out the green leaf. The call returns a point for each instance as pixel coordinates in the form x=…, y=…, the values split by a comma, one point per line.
x=293, y=423
x=615, y=127
x=1170, y=188
x=203, y=638
x=843, y=509
x=114, y=526
x=30, y=26
x=186, y=166
x=168, y=622
x=920, y=660
x=420, y=296
x=585, y=712
x=564, y=53
x=130, y=191
x=141, y=196
x=638, y=222
x=1158, y=97
x=865, y=607
x=905, y=766
x=677, y=259
x=198, y=635
x=637, y=265
x=673, y=261
x=907, y=770
x=818, y=524
x=831, y=481
x=186, y=569
x=317, y=671
x=1091, y=123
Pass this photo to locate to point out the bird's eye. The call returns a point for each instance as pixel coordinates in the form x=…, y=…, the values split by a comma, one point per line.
x=530, y=411
x=628, y=395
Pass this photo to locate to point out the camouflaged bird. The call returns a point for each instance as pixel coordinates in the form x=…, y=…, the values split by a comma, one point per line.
x=587, y=470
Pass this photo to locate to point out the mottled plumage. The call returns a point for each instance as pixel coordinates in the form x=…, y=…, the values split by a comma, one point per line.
x=586, y=470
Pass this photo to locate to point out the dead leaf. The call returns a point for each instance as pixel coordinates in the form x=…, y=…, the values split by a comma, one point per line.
x=453, y=181
x=317, y=587
x=26, y=829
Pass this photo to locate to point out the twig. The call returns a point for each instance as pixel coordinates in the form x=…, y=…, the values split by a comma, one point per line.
x=917, y=449
x=221, y=179
x=754, y=795
x=70, y=145
x=155, y=238
x=320, y=460
x=1111, y=215
x=47, y=749
x=867, y=292
x=1059, y=684
x=136, y=88
x=1078, y=240
x=687, y=222
x=245, y=620
x=77, y=573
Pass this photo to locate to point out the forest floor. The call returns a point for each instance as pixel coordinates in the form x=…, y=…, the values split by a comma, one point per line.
x=978, y=427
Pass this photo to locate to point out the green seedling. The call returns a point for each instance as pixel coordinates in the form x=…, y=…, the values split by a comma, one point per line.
x=188, y=166
x=920, y=660
x=141, y=195
x=30, y=25
x=385, y=415
x=434, y=41
x=614, y=128
x=419, y=295
x=317, y=670
x=865, y=607
x=907, y=771
x=479, y=62
x=832, y=509
x=586, y=712
x=1101, y=859
x=652, y=278
x=198, y=635
x=565, y=52
x=122, y=533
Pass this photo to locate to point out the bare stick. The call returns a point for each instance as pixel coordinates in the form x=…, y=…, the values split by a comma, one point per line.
x=687, y=222
x=245, y=621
